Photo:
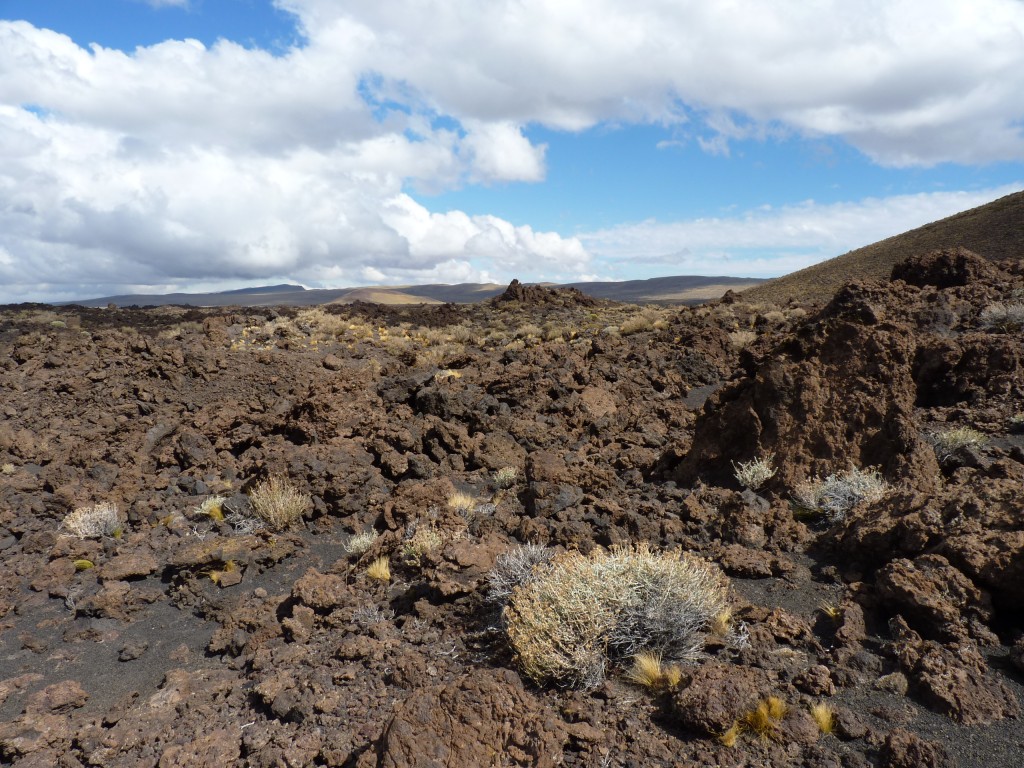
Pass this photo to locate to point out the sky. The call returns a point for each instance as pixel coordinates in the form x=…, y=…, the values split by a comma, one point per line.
x=151, y=146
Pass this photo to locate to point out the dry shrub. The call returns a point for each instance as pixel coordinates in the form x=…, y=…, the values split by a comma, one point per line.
x=515, y=567
x=361, y=542
x=576, y=613
x=756, y=472
x=93, y=522
x=837, y=494
x=506, y=477
x=950, y=441
x=278, y=503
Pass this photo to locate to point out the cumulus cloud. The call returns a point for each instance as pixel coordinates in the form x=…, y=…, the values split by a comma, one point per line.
x=910, y=82
x=179, y=163
x=768, y=242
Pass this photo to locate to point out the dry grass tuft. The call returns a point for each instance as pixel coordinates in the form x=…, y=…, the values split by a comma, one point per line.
x=649, y=671
x=94, y=522
x=824, y=716
x=278, y=503
x=731, y=736
x=379, y=569
x=462, y=502
x=575, y=613
x=763, y=720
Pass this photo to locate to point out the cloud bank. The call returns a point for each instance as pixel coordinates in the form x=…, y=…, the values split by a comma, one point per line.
x=179, y=164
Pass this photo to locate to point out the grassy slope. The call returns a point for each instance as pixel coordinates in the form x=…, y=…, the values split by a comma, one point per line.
x=995, y=231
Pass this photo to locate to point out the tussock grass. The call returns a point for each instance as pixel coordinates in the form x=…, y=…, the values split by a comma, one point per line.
x=379, y=569
x=824, y=716
x=650, y=672
x=278, y=503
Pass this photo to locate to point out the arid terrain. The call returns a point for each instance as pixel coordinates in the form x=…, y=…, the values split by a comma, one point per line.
x=849, y=476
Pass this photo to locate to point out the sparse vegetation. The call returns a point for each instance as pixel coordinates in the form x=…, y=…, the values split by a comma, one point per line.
x=278, y=503
x=515, y=567
x=1016, y=422
x=756, y=472
x=94, y=522
x=578, y=613
x=462, y=502
x=506, y=477
x=212, y=508
x=420, y=540
x=650, y=672
x=949, y=441
x=361, y=542
x=7, y=469
x=763, y=720
x=741, y=339
x=824, y=716
x=837, y=494
x=379, y=569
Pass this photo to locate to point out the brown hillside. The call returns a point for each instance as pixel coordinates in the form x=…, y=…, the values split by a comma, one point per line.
x=995, y=231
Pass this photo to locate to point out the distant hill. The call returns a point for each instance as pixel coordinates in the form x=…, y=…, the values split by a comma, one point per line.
x=658, y=290
x=995, y=231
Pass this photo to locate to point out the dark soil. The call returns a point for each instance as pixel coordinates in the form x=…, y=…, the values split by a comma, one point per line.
x=191, y=642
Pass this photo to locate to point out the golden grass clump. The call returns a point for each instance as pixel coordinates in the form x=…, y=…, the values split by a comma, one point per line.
x=650, y=672
x=379, y=569
x=94, y=522
x=731, y=736
x=721, y=623
x=824, y=716
x=576, y=613
x=462, y=502
x=278, y=503
x=763, y=720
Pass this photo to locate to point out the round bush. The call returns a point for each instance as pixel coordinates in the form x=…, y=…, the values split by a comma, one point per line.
x=578, y=613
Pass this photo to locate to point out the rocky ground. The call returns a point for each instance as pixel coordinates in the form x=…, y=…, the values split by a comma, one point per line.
x=187, y=638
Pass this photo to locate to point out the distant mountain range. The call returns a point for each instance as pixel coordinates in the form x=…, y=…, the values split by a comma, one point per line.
x=994, y=231
x=657, y=290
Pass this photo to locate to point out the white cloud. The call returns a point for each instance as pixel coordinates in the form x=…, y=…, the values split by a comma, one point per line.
x=768, y=242
x=907, y=81
x=180, y=163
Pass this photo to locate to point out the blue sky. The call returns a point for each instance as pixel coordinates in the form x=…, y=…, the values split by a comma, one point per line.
x=159, y=145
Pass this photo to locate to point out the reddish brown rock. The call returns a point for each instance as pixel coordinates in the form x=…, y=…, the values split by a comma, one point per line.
x=469, y=722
